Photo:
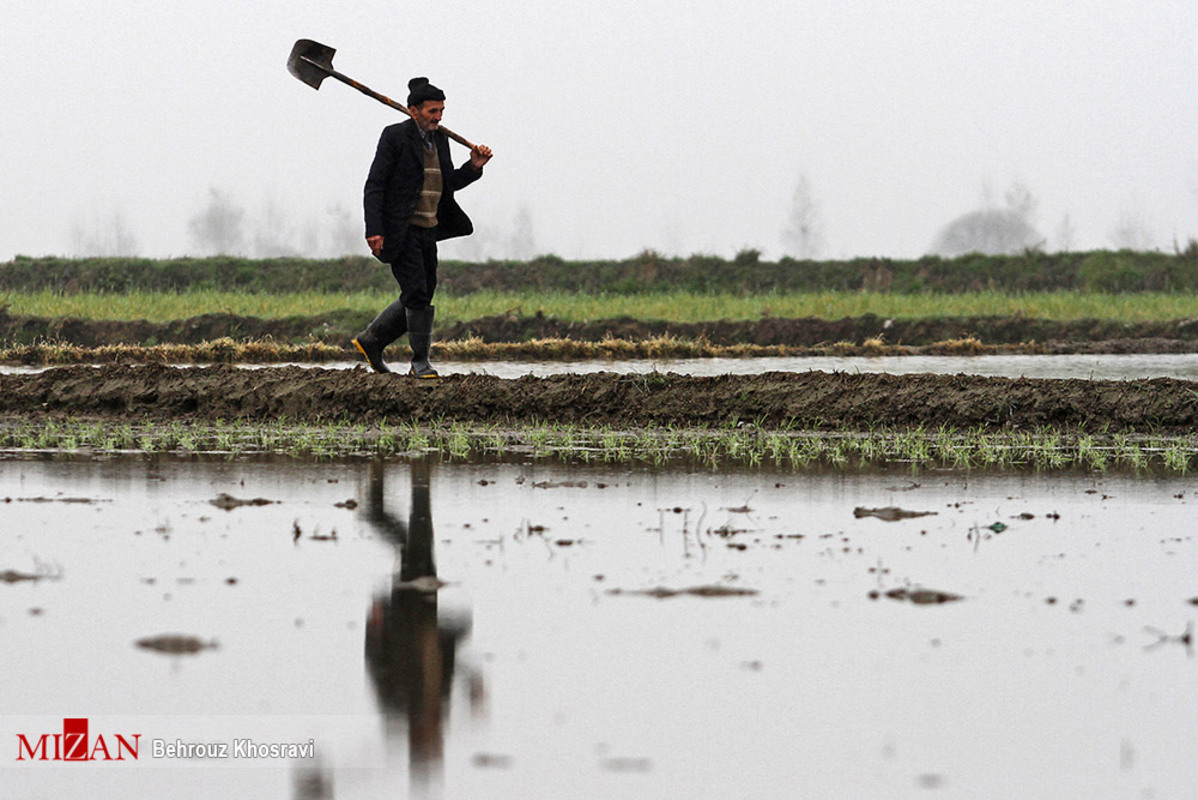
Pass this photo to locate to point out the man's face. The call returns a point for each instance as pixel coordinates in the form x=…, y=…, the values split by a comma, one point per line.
x=428, y=114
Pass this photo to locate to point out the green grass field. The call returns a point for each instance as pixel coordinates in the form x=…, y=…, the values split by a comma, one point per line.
x=673, y=307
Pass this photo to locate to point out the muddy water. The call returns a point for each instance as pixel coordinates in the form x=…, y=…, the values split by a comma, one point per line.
x=602, y=631
x=1097, y=367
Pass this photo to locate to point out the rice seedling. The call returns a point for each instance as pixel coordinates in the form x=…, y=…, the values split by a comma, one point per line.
x=1044, y=449
x=458, y=442
x=1176, y=457
x=416, y=439
x=1089, y=454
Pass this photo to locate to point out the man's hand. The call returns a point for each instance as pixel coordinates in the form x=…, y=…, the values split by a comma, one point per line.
x=376, y=244
x=480, y=154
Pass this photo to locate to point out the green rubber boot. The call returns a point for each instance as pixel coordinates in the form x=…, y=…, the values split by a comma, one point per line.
x=420, y=337
x=389, y=325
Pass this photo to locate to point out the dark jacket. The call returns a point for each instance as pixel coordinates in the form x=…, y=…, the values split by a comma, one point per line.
x=394, y=183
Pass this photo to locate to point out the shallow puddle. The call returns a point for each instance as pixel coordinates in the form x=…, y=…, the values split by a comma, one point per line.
x=543, y=630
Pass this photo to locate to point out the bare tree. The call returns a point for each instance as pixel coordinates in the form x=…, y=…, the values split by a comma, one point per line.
x=218, y=228
x=274, y=235
x=522, y=244
x=1022, y=203
x=345, y=233
x=804, y=234
x=990, y=230
x=1131, y=232
x=478, y=246
x=111, y=237
x=1066, y=234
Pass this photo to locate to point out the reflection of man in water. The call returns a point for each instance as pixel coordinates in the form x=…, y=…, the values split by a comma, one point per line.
x=410, y=655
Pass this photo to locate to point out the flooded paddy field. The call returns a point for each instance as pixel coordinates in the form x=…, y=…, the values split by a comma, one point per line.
x=423, y=628
x=1183, y=366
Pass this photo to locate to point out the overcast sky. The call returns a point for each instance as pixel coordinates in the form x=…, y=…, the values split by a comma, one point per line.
x=617, y=126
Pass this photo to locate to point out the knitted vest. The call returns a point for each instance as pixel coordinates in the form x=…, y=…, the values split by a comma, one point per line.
x=425, y=215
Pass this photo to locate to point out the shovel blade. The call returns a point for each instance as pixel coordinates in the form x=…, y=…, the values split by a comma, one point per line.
x=311, y=62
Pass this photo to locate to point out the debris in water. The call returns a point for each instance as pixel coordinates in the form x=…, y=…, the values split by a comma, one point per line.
x=175, y=644
x=711, y=590
x=16, y=576
x=744, y=507
x=560, y=485
x=425, y=584
x=930, y=781
x=350, y=504
x=889, y=513
x=83, y=500
x=491, y=761
x=923, y=597
x=1186, y=638
x=228, y=502
x=627, y=764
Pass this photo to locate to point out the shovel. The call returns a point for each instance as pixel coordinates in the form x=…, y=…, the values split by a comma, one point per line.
x=312, y=62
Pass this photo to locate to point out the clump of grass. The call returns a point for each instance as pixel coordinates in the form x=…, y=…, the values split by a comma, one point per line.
x=969, y=345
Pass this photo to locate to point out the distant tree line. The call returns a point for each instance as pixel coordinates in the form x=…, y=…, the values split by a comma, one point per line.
x=991, y=229
x=222, y=226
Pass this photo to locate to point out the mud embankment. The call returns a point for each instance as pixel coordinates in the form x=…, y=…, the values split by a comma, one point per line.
x=1088, y=335
x=1052, y=336
x=811, y=400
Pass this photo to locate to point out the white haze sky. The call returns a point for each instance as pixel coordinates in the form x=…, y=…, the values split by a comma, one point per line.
x=618, y=125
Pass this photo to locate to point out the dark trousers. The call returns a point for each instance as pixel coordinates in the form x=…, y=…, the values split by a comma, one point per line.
x=415, y=268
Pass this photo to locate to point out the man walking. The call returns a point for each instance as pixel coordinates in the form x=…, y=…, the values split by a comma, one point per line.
x=410, y=207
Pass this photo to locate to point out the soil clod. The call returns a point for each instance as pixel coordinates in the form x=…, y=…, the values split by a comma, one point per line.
x=175, y=644
x=889, y=513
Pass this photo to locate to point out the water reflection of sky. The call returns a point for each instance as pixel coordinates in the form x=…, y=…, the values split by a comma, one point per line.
x=1060, y=674
x=1097, y=367
x=1091, y=367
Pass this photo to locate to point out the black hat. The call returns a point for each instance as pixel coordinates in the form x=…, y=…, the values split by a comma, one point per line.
x=419, y=90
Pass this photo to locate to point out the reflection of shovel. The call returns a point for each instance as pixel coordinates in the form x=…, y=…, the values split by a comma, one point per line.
x=312, y=62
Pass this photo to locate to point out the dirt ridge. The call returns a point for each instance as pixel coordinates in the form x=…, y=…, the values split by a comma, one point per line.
x=810, y=400
x=1061, y=336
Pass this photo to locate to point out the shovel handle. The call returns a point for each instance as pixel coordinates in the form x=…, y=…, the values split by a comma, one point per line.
x=382, y=98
